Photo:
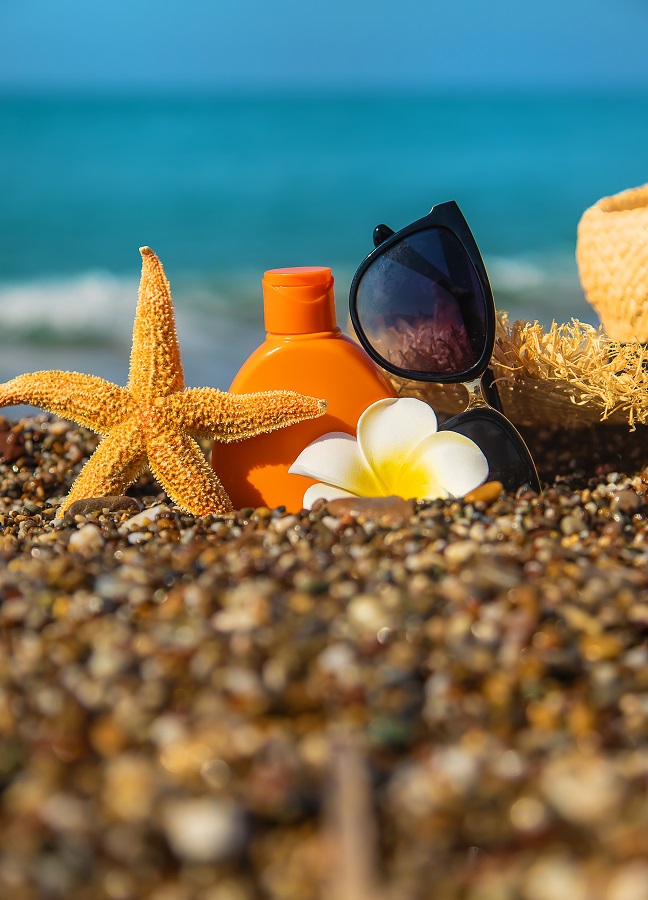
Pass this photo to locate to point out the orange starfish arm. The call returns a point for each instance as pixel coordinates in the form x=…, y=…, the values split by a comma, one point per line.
x=85, y=399
x=177, y=462
x=233, y=417
x=116, y=463
x=155, y=365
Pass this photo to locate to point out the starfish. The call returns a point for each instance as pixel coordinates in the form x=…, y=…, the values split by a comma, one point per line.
x=155, y=420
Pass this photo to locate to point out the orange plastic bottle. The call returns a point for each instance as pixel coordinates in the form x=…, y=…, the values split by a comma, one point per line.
x=304, y=351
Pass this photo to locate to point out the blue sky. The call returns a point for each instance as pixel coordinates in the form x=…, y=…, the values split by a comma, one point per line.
x=230, y=44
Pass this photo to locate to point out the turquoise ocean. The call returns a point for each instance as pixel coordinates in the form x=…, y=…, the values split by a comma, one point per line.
x=224, y=188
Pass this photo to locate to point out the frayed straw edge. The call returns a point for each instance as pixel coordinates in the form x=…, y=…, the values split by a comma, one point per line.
x=579, y=360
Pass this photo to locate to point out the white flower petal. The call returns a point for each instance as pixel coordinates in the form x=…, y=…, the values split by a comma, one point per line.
x=324, y=491
x=335, y=459
x=443, y=462
x=389, y=430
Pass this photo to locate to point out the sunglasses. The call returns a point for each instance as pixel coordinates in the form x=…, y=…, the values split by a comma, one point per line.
x=422, y=307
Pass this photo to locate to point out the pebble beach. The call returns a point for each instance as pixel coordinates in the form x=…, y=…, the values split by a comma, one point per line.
x=392, y=700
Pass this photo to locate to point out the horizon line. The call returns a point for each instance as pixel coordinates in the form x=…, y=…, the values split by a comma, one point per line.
x=402, y=92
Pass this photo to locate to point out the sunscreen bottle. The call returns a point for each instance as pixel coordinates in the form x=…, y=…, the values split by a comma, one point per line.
x=304, y=351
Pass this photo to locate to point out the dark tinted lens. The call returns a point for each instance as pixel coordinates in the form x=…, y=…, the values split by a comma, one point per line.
x=509, y=460
x=421, y=306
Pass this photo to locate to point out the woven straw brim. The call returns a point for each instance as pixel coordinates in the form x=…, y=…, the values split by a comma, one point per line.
x=612, y=256
x=572, y=375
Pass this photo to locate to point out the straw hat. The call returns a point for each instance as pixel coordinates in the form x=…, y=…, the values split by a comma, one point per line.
x=612, y=256
x=575, y=375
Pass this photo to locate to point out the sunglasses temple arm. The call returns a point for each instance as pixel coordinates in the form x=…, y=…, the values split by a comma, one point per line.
x=479, y=393
x=483, y=392
x=490, y=391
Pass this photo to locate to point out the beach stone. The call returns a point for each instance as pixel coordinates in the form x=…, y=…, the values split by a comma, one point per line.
x=139, y=537
x=129, y=787
x=626, y=502
x=143, y=519
x=285, y=523
x=389, y=510
x=460, y=552
x=528, y=814
x=630, y=882
x=571, y=525
x=87, y=540
x=485, y=493
x=554, y=877
x=106, y=736
x=582, y=789
x=203, y=830
x=65, y=812
x=59, y=427
x=337, y=660
x=98, y=504
x=12, y=444
x=595, y=647
x=331, y=522
x=367, y=615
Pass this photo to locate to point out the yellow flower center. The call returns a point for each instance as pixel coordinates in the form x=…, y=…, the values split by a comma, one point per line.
x=410, y=480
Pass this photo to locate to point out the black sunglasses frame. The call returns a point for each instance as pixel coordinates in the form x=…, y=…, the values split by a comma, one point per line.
x=448, y=216
x=481, y=413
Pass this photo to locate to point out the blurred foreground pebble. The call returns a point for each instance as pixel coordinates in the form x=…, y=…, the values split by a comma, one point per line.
x=172, y=691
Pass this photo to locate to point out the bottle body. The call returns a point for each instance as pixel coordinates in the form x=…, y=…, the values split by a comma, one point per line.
x=326, y=365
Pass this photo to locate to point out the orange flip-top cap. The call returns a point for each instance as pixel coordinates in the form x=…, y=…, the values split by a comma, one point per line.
x=300, y=300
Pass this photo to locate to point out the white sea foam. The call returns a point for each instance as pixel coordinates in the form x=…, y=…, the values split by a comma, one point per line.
x=516, y=274
x=91, y=307
x=97, y=307
x=84, y=323
x=539, y=287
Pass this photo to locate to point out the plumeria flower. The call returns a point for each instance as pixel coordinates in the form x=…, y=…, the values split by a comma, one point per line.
x=399, y=451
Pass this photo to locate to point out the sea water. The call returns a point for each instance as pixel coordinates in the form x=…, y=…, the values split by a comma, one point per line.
x=224, y=188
